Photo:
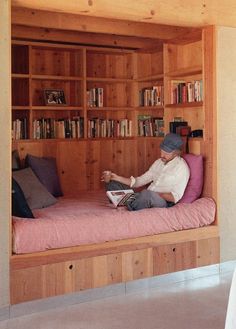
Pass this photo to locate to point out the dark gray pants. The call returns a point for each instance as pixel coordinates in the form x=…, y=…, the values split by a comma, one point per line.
x=142, y=200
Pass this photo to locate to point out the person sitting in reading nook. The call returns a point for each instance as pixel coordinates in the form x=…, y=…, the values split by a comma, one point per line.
x=167, y=178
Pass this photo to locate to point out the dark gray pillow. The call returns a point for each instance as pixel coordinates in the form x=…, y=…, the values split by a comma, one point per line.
x=46, y=171
x=20, y=208
x=35, y=193
x=15, y=160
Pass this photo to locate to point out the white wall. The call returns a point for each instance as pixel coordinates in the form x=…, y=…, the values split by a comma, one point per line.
x=5, y=138
x=226, y=125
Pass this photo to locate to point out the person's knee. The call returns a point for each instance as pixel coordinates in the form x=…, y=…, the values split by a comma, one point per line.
x=145, y=194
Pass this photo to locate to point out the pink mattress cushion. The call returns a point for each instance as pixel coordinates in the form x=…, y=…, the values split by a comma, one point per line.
x=195, y=183
x=92, y=219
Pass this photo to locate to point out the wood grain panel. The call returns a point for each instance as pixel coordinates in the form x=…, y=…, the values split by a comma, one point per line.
x=137, y=264
x=174, y=257
x=208, y=251
x=86, y=273
x=72, y=22
x=26, y=284
x=73, y=167
x=53, y=280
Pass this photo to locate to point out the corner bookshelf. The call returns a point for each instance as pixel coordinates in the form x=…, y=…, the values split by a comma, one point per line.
x=183, y=80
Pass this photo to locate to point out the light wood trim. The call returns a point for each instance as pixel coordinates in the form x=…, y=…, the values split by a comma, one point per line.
x=110, y=80
x=86, y=38
x=56, y=108
x=20, y=107
x=59, y=255
x=55, y=77
x=46, y=45
x=73, y=22
x=111, y=108
x=151, y=78
x=30, y=128
x=209, y=64
x=19, y=76
x=185, y=72
x=187, y=104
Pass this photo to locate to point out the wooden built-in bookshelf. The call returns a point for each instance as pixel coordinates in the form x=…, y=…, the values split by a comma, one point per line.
x=122, y=75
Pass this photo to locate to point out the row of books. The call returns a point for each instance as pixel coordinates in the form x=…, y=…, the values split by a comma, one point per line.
x=150, y=126
x=95, y=97
x=184, y=92
x=98, y=127
x=20, y=129
x=152, y=96
x=58, y=128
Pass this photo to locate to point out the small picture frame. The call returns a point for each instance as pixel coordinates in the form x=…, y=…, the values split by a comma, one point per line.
x=54, y=97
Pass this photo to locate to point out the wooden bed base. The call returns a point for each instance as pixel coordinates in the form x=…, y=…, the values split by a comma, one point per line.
x=67, y=270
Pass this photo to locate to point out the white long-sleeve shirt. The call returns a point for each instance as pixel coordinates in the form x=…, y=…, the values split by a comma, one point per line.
x=171, y=177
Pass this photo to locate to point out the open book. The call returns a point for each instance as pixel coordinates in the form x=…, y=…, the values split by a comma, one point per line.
x=120, y=197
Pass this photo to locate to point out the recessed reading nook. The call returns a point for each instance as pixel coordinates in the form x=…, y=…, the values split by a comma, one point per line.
x=93, y=105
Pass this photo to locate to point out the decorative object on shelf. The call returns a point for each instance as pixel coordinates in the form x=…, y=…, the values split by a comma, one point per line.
x=54, y=97
x=175, y=124
x=196, y=133
x=183, y=130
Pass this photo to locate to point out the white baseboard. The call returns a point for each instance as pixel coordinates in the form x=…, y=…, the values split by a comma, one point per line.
x=114, y=290
x=228, y=266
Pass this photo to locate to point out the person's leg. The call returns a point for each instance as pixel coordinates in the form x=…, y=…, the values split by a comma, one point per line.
x=115, y=186
x=147, y=199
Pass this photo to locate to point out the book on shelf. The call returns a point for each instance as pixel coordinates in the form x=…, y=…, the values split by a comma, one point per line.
x=48, y=128
x=120, y=197
x=159, y=130
x=95, y=97
x=150, y=126
x=185, y=91
x=151, y=96
x=19, y=129
x=99, y=127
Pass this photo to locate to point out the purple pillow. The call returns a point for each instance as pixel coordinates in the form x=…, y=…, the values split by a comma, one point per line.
x=46, y=171
x=195, y=183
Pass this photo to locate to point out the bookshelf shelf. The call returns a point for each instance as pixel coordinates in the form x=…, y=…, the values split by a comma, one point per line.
x=20, y=76
x=57, y=108
x=108, y=80
x=184, y=72
x=187, y=104
x=157, y=77
x=155, y=108
x=20, y=108
x=111, y=109
x=55, y=77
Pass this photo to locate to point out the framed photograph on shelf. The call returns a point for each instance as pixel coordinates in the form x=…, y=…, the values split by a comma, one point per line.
x=54, y=97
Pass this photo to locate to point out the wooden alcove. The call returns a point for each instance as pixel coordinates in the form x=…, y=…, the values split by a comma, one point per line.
x=122, y=68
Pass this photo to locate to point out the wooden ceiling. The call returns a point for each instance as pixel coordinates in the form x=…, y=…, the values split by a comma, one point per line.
x=173, y=12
